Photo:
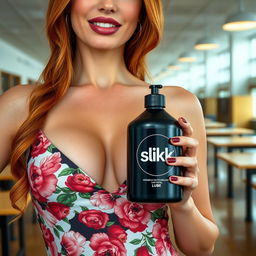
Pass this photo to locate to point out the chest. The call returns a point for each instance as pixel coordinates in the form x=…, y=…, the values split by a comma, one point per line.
x=92, y=132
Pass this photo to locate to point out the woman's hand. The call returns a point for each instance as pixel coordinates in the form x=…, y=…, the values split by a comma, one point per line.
x=189, y=180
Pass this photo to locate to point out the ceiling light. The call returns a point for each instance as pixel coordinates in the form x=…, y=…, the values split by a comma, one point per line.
x=240, y=21
x=206, y=44
x=174, y=67
x=187, y=57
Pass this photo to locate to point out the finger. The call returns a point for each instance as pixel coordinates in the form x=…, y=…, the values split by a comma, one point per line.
x=182, y=161
x=188, y=143
x=189, y=182
x=186, y=127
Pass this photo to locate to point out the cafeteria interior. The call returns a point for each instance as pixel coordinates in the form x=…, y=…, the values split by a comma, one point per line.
x=198, y=52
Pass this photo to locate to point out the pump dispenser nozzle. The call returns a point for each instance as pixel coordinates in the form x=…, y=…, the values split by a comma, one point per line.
x=155, y=100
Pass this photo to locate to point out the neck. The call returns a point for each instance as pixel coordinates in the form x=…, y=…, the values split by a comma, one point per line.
x=99, y=67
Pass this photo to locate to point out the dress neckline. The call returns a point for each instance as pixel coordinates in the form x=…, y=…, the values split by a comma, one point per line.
x=84, y=172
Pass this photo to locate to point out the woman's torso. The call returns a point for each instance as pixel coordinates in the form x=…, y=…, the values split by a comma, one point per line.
x=90, y=126
x=83, y=141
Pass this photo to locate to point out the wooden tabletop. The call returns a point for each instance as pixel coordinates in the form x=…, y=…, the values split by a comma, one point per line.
x=5, y=205
x=213, y=124
x=6, y=174
x=228, y=131
x=245, y=160
x=229, y=141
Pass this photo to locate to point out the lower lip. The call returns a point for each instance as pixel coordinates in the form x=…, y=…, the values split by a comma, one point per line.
x=103, y=31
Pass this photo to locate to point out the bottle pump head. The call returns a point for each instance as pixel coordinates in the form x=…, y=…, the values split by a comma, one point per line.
x=155, y=100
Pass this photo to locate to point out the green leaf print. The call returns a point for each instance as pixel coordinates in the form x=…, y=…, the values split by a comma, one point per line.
x=78, y=170
x=66, y=220
x=56, y=232
x=110, y=223
x=67, y=199
x=57, y=191
x=135, y=241
x=59, y=228
x=85, y=195
x=84, y=208
x=63, y=251
x=40, y=219
x=150, y=241
x=66, y=172
x=149, y=248
x=157, y=214
x=50, y=148
x=67, y=190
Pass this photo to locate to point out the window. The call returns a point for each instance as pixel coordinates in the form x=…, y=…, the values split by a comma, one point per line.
x=198, y=75
x=8, y=80
x=223, y=93
x=224, y=67
x=253, y=92
x=253, y=57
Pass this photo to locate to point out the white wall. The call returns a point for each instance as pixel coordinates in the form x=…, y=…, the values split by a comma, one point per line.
x=14, y=61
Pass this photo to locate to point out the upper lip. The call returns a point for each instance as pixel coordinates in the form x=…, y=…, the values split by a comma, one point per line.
x=105, y=20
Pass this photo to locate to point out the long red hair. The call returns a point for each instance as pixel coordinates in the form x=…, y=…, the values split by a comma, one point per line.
x=57, y=76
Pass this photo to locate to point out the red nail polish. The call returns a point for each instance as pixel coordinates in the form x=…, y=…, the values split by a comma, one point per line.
x=171, y=160
x=183, y=120
x=174, y=178
x=175, y=140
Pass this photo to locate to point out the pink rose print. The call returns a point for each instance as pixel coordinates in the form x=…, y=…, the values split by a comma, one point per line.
x=142, y=251
x=80, y=183
x=163, y=243
x=49, y=240
x=132, y=215
x=103, y=200
x=93, y=218
x=152, y=206
x=116, y=231
x=49, y=219
x=58, y=210
x=40, y=146
x=102, y=244
x=73, y=242
x=42, y=180
x=121, y=190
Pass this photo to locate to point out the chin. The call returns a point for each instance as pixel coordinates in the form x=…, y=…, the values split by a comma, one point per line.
x=103, y=45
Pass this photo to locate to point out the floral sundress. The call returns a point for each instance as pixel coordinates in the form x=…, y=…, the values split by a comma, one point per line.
x=78, y=217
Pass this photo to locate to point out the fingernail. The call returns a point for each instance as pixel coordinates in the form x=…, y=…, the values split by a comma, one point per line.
x=174, y=178
x=175, y=139
x=183, y=120
x=171, y=160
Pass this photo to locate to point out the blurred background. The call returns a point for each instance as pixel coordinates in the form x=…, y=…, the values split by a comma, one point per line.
x=209, y=48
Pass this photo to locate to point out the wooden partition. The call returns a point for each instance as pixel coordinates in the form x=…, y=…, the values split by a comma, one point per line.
x=210, y=107
x=7, y=80
x=235, y=110
x=242, y=110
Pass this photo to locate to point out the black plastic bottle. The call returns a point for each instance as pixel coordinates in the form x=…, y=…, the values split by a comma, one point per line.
x=148, y=147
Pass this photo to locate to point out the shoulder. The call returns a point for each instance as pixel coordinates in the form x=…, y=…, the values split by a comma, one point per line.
x=185, y=102
x=14, y=103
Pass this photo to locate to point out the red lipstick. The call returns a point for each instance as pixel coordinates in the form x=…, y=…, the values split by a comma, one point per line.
x=104, y=30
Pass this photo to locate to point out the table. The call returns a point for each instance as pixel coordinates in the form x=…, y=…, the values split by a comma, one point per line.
x=228, y=131
x=245, y=160
x=214, y=124
x=6, y=210
x=231, y=143
x=6, y=174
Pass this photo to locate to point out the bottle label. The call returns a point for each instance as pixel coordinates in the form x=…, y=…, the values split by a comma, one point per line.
x=152, y=152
